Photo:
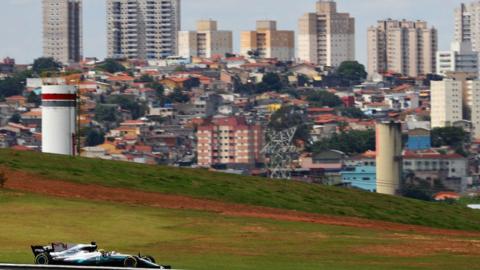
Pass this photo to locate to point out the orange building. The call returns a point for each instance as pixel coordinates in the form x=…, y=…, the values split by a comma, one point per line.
x=269, y=42
x=229, y=141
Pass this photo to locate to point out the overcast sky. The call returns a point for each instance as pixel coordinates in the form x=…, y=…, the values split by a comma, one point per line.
x=20, y=20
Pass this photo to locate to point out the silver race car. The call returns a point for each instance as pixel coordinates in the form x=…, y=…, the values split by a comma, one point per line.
x=90, y=255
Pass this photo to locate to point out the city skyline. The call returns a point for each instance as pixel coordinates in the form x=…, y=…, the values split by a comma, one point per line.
x=243, y=17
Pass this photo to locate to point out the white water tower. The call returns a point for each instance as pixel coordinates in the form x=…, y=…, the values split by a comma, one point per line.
x=59, y=119
x=389, y=158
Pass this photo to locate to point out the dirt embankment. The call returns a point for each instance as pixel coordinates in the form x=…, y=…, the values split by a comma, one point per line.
x=26, y=182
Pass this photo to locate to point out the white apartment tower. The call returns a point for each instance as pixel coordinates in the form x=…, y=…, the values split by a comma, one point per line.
x=62, y=30
x=446, y=102
x=206, y=42
x=467, y=20
x=473, y=101
x=449, y=99
x=406, y=47
x=326, y=37
x=142, y=29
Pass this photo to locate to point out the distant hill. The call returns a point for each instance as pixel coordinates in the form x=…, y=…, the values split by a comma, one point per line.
x=236, y=189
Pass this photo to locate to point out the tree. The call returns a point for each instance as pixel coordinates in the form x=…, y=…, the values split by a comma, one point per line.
x=191, y=83
x=417, y=193
x=353, y=142
x=46, y=65
x=34, y=99
x=137, y=109
x=15, y=118
x=112, y=66
x=145, y=78
x=14, y=85
x=247, y=88
x=158, y=87
x=449, y=136
x=270, y=81
x=420, y=189
x=351, y=72
x=94, y=137
x=11, y=86
x=253, y=54
x=177, y=96
x=106, y=113
x=303, y=80
x=323, y=98
x=352, y=112
x=288, y=117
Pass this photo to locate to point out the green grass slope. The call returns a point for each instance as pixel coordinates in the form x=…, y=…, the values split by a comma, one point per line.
x=199, y=240
x=245, y=190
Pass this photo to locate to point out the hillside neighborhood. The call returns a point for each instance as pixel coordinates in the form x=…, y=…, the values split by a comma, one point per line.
x=285, y=104
x=215, y=114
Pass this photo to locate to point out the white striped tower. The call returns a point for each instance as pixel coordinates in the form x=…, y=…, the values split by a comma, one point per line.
x=59, y=119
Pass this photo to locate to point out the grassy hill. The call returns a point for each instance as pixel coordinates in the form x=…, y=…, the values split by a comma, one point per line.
x=243, y=190
x=199, y=240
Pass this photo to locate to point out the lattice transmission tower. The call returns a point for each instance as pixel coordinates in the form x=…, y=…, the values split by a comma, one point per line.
x=280, y=152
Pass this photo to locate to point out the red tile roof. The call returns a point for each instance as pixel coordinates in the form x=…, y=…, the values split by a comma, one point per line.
x=441, y=196
x=120, y=78
x=320, y=110
x=15, y=98
x=430, y=154
x=21, y=148
x=132, y=123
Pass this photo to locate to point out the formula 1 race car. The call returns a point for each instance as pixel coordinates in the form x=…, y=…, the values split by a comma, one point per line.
x=90, y=255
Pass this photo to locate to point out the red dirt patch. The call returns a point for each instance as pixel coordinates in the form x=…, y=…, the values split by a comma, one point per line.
x=423, y=248
x=26, y=182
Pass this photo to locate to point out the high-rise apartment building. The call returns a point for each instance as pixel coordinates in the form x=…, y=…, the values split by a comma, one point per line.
x=268, y=42
x=446, y=102
x=460, y=58
x=473, y=102
x=326, y=37
x=142, y=29
x=206, y=42
x=467, y=19
x=62, y=30
x=406, y=47
x=451, y=97
x=229, y=141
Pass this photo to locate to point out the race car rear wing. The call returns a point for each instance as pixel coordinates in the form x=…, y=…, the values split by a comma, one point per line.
x=41, y=249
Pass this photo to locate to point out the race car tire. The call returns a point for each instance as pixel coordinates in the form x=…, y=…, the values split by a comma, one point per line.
x=149, y=258
x=42, y=259
x=130, y=262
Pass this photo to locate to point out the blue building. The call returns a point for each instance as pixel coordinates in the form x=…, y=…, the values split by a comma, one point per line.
x=419, y=139
x=362, y=177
